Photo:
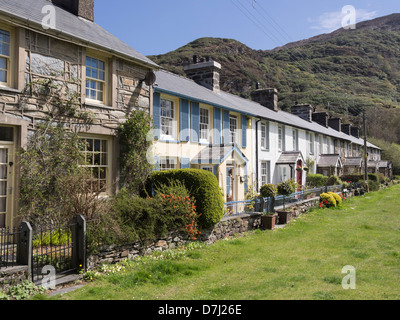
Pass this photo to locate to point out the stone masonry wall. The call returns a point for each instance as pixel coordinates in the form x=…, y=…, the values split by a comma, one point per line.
x=49, y=58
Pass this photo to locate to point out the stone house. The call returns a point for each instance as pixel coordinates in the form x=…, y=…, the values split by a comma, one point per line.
x=58, y=42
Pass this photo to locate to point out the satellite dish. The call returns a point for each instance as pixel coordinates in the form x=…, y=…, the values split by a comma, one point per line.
x=150, y=78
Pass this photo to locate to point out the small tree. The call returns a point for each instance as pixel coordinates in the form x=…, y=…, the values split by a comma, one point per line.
x=286, y=188
x=133, y=136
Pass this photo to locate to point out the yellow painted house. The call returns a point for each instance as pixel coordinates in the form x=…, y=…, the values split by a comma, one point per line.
x=197, y=127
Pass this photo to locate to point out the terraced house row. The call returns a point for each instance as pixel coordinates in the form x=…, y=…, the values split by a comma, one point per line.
x=243, y=143
x=249, y=143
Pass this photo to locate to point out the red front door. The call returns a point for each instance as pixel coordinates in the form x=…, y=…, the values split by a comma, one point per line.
x=299, y=174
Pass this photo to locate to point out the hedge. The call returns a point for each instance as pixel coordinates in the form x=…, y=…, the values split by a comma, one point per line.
x=203, y=187
x=317, y=180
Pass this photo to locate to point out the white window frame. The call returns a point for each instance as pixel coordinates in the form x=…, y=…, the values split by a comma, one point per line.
x=103, y=155
x=99, y=81
x=168, y=163
x=280, y=138
x=265, y=172
x=205, y=132
x=208, y=168
x=234, y=136
x=295, y=133
x=168, y=121
x=265, y=136
x=7, y=58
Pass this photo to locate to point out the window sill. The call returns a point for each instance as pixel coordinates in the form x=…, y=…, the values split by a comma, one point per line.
x=9, y=89
x=93, y=103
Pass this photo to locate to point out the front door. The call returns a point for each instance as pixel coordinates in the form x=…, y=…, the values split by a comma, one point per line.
x=230, y=183
x=6, y=166
x=299, y=174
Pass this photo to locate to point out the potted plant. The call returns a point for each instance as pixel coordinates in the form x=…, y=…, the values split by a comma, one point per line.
x=285, y=188
x=268, y=220
x=269, y=217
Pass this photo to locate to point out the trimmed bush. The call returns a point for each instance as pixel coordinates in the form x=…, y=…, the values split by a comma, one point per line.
x=202, y=186
x=268, y=191
x=334, y=181
x=328, y=200
x=286, y=188
x=317, y=180
x=337, y=198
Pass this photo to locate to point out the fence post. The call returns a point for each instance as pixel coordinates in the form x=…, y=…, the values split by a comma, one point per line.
x=24, y=245
x=79, y=242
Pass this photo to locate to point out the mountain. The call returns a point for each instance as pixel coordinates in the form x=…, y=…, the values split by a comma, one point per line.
x=344, y=72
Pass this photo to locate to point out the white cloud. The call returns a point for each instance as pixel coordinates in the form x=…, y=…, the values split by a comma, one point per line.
x=331, y=21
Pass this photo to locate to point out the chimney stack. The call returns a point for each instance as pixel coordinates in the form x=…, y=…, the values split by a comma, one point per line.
x=335, y=123
x=204, y=72
x=321, y=118
x=355, y=132
x=346, y=128
x=266, y=97
x=304, y=111
x=80, y=8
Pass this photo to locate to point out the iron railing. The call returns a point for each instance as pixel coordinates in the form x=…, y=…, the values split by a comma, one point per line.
x=269, y=204
x=8, y=246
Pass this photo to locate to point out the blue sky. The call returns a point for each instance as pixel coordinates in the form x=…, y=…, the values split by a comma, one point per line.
x=160, y=26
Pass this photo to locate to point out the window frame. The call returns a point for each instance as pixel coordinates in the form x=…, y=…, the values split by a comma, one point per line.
x=108, y=156
x=280, y=138
x=234, y=135
x=104, y=82
x=265, y=176
x=264, y=136
x=172, y=120
x=208, y=129
x=295, y=136
x=9, y=59
x=168, y=162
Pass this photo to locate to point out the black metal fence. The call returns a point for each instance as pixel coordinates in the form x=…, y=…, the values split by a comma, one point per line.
x=8, y=246
x=62, y=248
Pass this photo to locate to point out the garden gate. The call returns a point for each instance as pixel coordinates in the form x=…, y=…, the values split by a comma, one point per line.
x=58, y=250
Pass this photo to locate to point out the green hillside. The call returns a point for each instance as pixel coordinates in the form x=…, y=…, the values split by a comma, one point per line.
x=345, y=71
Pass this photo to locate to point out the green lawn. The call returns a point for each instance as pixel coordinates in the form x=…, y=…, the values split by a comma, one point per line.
x=302, y=261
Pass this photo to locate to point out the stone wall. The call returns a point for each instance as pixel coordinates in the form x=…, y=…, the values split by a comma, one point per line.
x=227, y=227
x=12, y=276
x=42, y=57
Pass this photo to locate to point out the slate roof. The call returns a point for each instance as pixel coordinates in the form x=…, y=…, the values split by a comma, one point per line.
x=354, y=161
x=170, y=83
x=215, y=154
x=29, y=13
x=290, y=157
x=329, y=160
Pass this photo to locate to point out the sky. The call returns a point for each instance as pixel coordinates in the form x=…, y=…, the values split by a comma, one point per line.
x=155, y=27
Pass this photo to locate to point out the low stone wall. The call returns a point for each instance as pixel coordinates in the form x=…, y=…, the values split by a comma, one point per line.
x=12, y=276
x=227, y=227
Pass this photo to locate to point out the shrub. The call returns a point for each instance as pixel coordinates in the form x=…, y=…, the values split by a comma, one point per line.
x=333, y=181
x=352, y=177
x=202, y=186
x=327, y=200
x=171, y=209
x=337, y=198
x=286, y=188
x=317, y=180
x=268, y=191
